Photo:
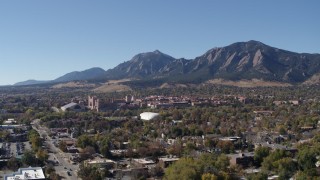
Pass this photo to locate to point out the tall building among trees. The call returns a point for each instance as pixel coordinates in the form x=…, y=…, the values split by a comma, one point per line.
x=93, y=103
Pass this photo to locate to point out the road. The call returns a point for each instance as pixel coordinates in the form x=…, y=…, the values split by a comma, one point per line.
x=57, y=155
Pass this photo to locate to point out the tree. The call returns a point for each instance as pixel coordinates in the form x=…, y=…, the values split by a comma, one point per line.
x=49, y=169
x=29, y=158
x=258, y=176
x=175, y=149
x=300, y=175
x=156, y=171
x=42, y=155
x=105, y=151
x=210, y=143
x=29, y=112
x=89, y=172
x=34, y=138
x=5, y=135
x=63, y=146
x=54, y=176
x=269, y=164
x=35, y=142
x=196, y=114
x=208, y=176
x=226, y=146
x=176, y=115
x=222, y=162
x=286, y=167
x=189, y=148
x=176, y=131
x=32, y=132
x=226, y=176
x=307, y=157
x=282, y=130
x=139, y=174
x=87, y=153
x=84, y=141
x=184, y=168
x=13, y=164
x=207, y=163
x=260, y=153
x=142, y=151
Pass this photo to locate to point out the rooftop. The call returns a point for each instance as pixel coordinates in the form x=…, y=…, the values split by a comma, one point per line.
x=148, y=115
x=238, y=155
x=144, y=161
x=100, y=161
x=26, y=173
x=166, y=159
x=276, y=146
x=70, y=105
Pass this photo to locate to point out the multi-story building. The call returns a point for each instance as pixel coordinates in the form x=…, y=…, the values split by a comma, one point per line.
x=26, y=173
x=93, y=103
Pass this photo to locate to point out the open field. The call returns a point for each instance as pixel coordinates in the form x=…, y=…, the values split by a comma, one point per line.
x=248, y=83
x=108, y=88
x=73, y=85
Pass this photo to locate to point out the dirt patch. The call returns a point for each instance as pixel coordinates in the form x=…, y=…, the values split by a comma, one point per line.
x=315, y=79
x=119, y=81
x=169, y=86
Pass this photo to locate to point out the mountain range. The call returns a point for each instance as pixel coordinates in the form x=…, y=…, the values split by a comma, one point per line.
x=238, y=61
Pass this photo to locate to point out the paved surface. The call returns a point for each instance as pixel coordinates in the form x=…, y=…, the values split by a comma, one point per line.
x=3, y=172
x=63, y=163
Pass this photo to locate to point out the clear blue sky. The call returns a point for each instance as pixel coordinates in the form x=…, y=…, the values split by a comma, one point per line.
x=45, y=39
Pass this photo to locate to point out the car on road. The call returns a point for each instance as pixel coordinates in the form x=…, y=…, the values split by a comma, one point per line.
x=69, y=173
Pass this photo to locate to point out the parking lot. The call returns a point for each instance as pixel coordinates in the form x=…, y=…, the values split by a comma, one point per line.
x=6, y=153
x=14, y=149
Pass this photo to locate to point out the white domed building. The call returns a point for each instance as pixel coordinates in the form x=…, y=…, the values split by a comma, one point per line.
x=147, y=116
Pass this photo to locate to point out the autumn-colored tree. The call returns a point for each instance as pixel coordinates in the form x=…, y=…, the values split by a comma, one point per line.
x=208, y=176
x=34, y=138
x=226, y=146
x=49, y=169
x=176, y=115
x=54, y=176
x=42, y=155
x=175, y=149
x=63, y=146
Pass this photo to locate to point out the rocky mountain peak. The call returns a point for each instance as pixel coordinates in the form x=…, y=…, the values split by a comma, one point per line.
x=237, y=61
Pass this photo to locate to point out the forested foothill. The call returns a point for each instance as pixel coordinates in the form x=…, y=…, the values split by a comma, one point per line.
x=208, y=132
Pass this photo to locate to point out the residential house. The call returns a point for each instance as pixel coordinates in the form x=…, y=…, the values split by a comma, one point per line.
x=100, y=162
x=242, y=159
x=164, y=162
